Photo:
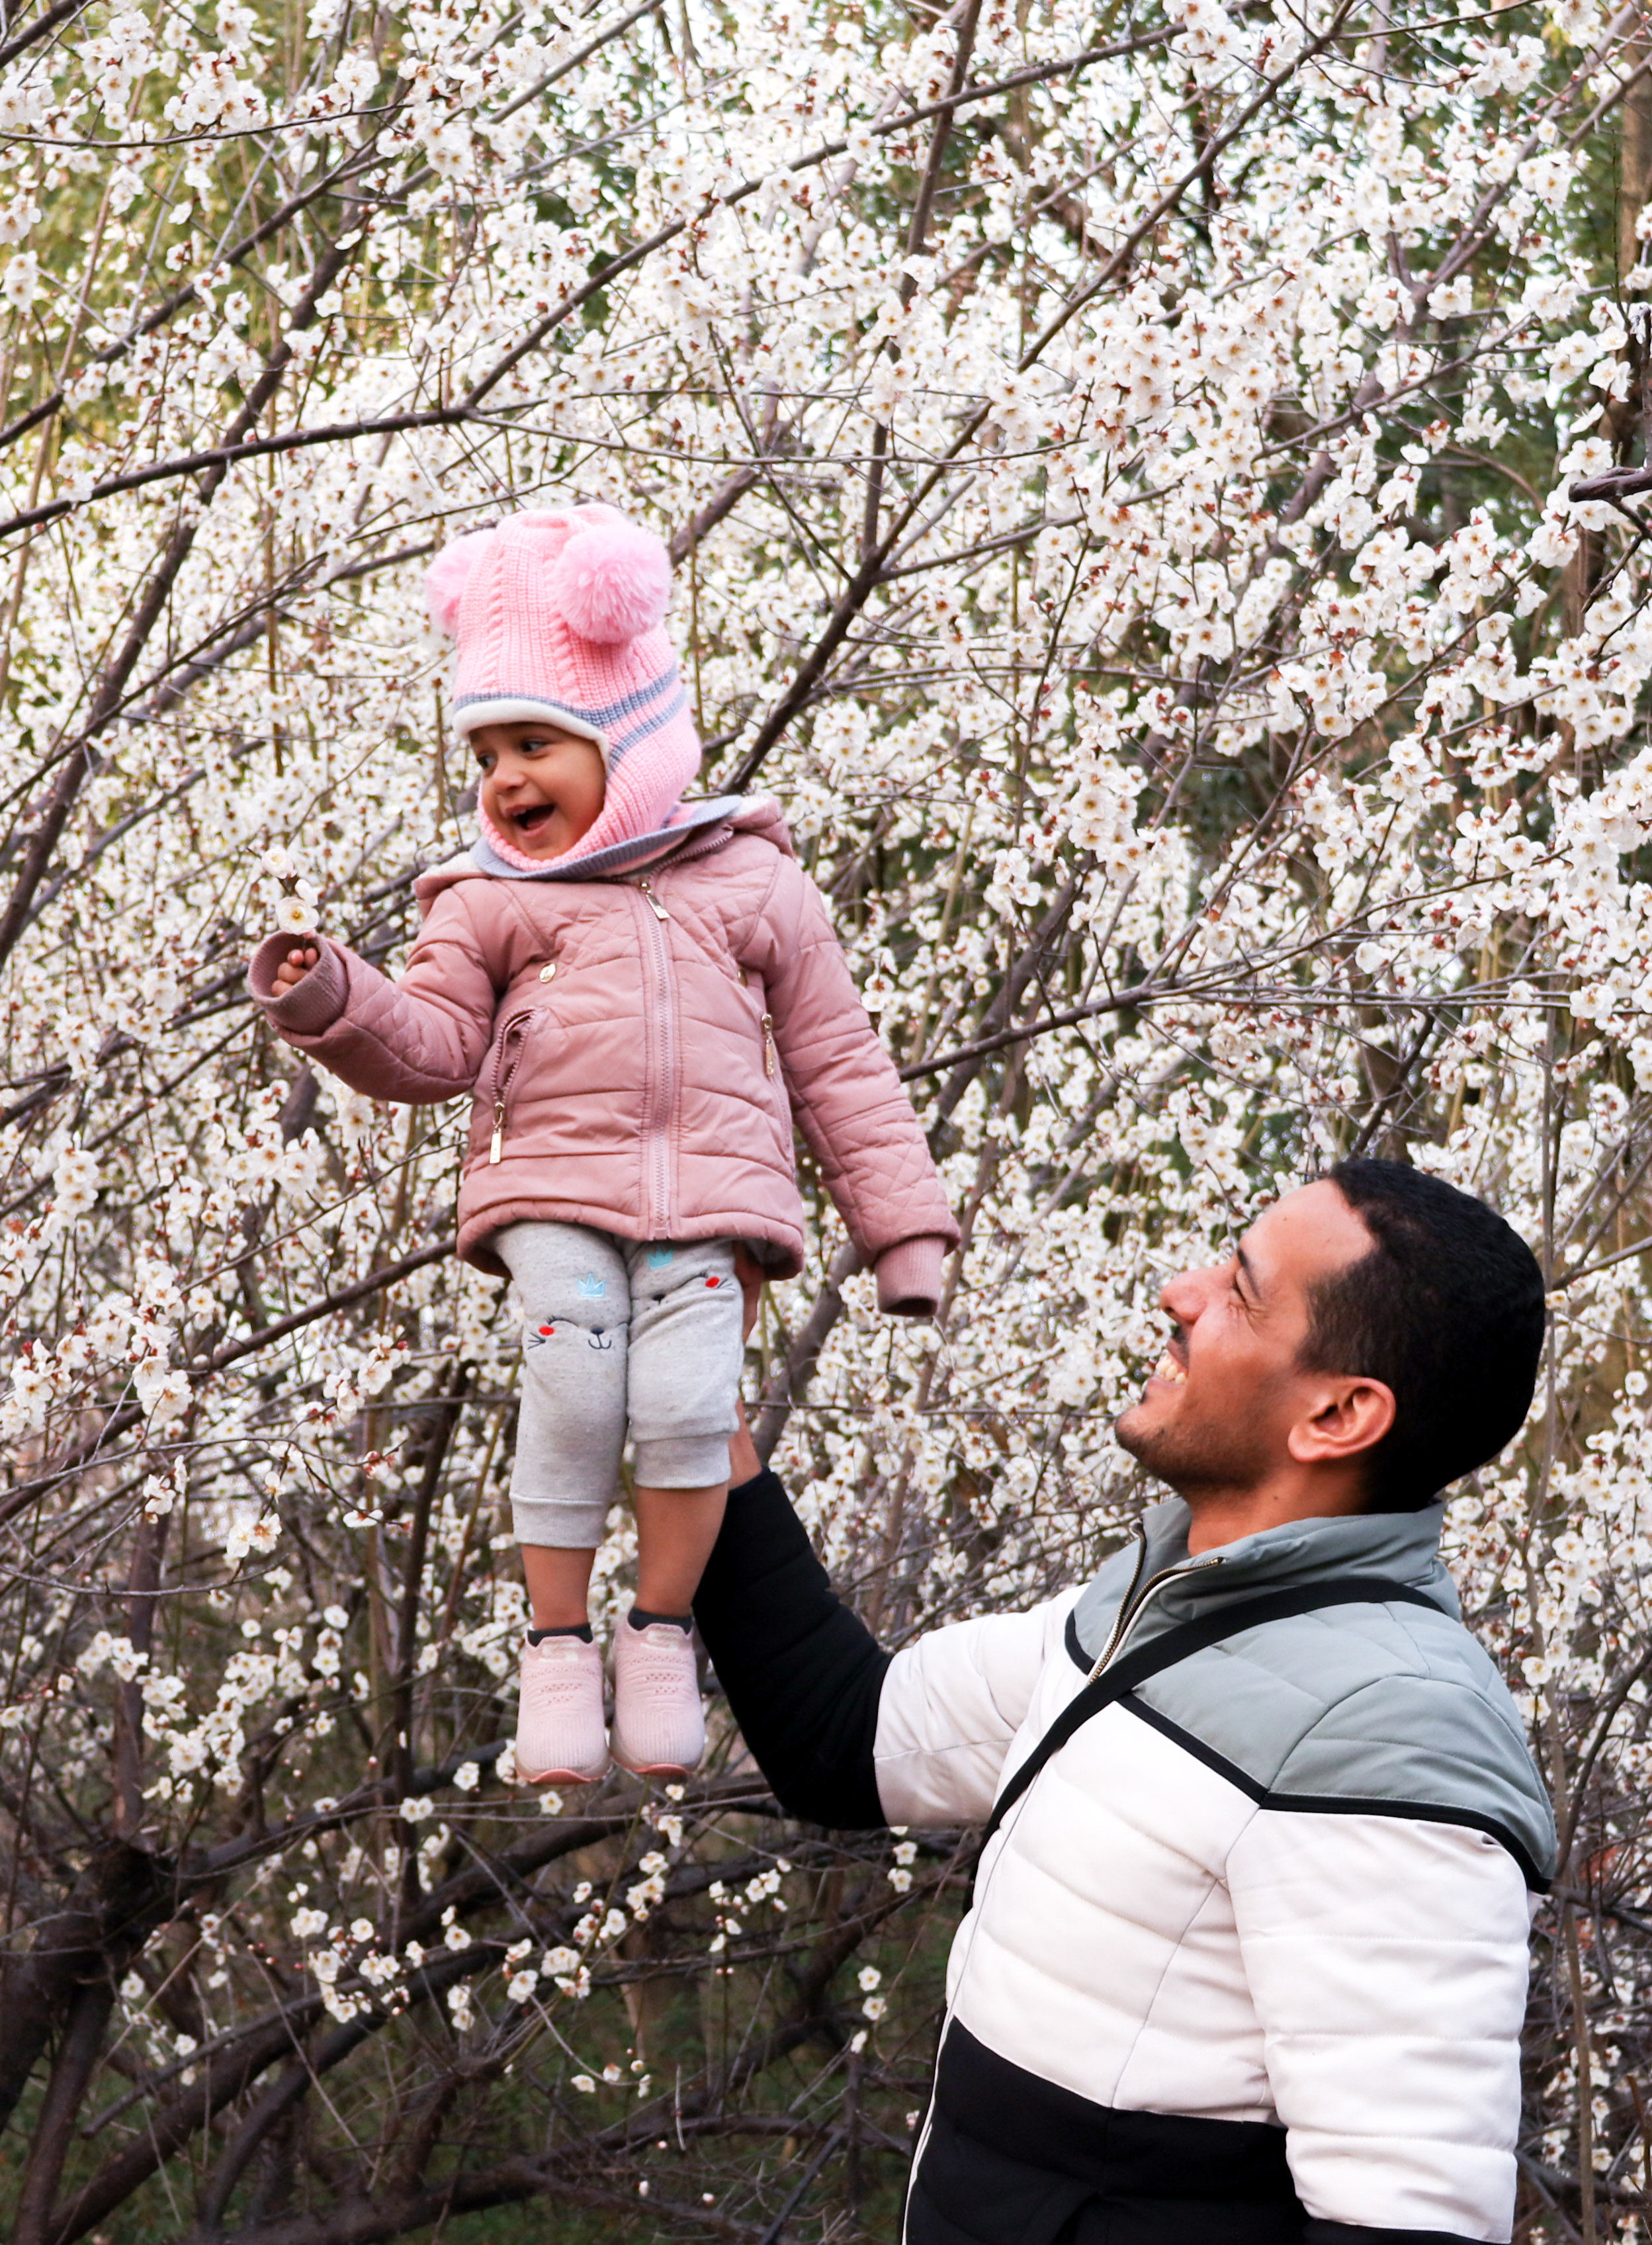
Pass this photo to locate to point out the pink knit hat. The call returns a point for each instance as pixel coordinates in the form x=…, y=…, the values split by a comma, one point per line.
x=558, y=616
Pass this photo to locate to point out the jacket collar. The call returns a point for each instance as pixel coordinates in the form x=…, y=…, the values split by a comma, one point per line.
x=636, y=850
x=704, y=827
x=1404, y=1546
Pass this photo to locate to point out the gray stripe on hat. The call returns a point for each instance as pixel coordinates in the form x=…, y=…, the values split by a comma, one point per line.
x=674, y=708
x=603, y=713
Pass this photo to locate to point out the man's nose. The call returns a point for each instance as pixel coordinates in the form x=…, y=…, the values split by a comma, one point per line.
x=1183, y=1297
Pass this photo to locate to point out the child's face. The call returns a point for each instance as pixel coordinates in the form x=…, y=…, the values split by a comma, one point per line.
x=541, y=787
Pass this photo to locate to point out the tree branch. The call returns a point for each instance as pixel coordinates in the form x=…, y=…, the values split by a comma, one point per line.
x=130, y=1415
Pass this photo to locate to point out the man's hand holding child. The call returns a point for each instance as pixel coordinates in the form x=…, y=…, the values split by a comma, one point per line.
x=295, y=967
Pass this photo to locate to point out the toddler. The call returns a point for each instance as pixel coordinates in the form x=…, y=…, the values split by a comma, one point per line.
x=643, y=994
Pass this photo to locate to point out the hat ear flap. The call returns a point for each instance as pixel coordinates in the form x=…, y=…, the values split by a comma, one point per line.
x=447, y=575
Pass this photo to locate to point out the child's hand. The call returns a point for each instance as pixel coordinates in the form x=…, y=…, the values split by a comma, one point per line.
x=295, y=967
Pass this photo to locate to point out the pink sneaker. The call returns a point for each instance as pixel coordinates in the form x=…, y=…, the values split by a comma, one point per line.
x=659, y=1724
x=559, y=1733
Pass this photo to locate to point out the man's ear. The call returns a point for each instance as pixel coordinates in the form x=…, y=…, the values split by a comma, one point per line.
x=1346, y=1415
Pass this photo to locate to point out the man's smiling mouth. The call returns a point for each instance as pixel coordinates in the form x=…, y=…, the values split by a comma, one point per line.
x=1173, y=1373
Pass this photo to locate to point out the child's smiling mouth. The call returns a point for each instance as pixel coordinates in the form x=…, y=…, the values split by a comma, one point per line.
x=531, y=816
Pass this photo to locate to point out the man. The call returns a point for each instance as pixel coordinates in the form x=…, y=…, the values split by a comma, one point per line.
x=1247, y=1957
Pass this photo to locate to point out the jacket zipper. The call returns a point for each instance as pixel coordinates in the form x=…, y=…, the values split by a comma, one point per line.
x=1130, y=1611
x=504, y=1072
x=661, y=1050
x=768, y=1044
x=1128, y=1600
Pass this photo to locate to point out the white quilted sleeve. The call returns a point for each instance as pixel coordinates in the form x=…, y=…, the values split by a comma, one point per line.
x=951, y=1703
x=1387, y=1958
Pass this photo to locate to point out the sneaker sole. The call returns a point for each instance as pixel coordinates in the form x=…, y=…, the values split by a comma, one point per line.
x=656, y=1769
x=560, y=1776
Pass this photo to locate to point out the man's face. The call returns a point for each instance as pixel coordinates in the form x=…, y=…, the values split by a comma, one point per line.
x=1219, y=1408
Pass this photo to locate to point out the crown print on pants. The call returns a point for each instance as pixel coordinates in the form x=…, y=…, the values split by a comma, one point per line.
x=560, y=616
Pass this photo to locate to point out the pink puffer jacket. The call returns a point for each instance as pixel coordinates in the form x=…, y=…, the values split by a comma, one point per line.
x=632, y=1043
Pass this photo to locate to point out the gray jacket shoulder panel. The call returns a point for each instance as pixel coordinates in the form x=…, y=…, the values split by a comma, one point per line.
x=1392, y=1706
x=1365, y=1706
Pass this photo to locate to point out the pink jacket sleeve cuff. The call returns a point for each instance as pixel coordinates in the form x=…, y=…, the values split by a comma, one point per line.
x=910, y=1277
x=310, y=1008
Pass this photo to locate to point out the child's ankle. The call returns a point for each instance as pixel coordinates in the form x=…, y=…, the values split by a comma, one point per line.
x=540, y=1630
x=642, y=1617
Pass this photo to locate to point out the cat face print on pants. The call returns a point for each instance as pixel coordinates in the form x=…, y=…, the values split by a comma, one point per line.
x=596, y=1336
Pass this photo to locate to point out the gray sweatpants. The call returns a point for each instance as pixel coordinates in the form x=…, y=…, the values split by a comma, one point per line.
x=616, y=1330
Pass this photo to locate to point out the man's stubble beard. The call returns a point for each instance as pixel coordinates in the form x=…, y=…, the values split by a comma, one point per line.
x=1194, y=1456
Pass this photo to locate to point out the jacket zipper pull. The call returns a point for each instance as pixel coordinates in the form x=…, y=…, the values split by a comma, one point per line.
x=498, y=1147
x=768, y=1044
x=655, y=905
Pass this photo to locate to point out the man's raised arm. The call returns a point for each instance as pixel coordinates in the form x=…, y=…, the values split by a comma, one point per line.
x=803, y=1674
x=848, y=1735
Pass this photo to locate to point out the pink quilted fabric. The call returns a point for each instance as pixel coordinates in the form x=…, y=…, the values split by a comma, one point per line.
x=639, y=1074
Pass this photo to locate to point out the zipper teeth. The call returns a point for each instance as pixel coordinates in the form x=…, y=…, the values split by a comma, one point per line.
x=507, y=1070
x=504, y=1074
x=1126, y=1602
x=654, y=918
x=1129, y=1614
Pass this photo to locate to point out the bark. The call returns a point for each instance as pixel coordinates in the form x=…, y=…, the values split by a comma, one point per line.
x=792, y=1386
x=54, y=2130
x=38, y=27
x=119, y=1899
x=447, y=1418
x=221, y=2081
x=149, y=1543
x=120, y=1421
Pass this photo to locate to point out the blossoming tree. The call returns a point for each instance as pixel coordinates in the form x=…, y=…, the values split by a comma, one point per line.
x=1157, y=494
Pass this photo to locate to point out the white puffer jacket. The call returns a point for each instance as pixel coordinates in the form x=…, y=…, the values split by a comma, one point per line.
x=1249, y=1957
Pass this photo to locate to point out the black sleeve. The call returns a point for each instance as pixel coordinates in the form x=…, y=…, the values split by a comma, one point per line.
x=802, y=1673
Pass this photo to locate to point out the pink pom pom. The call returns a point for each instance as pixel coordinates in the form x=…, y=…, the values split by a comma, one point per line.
x=612, y=582
x=447, y=575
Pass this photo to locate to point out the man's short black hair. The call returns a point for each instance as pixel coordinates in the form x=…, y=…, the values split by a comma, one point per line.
x=1447, y=1310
